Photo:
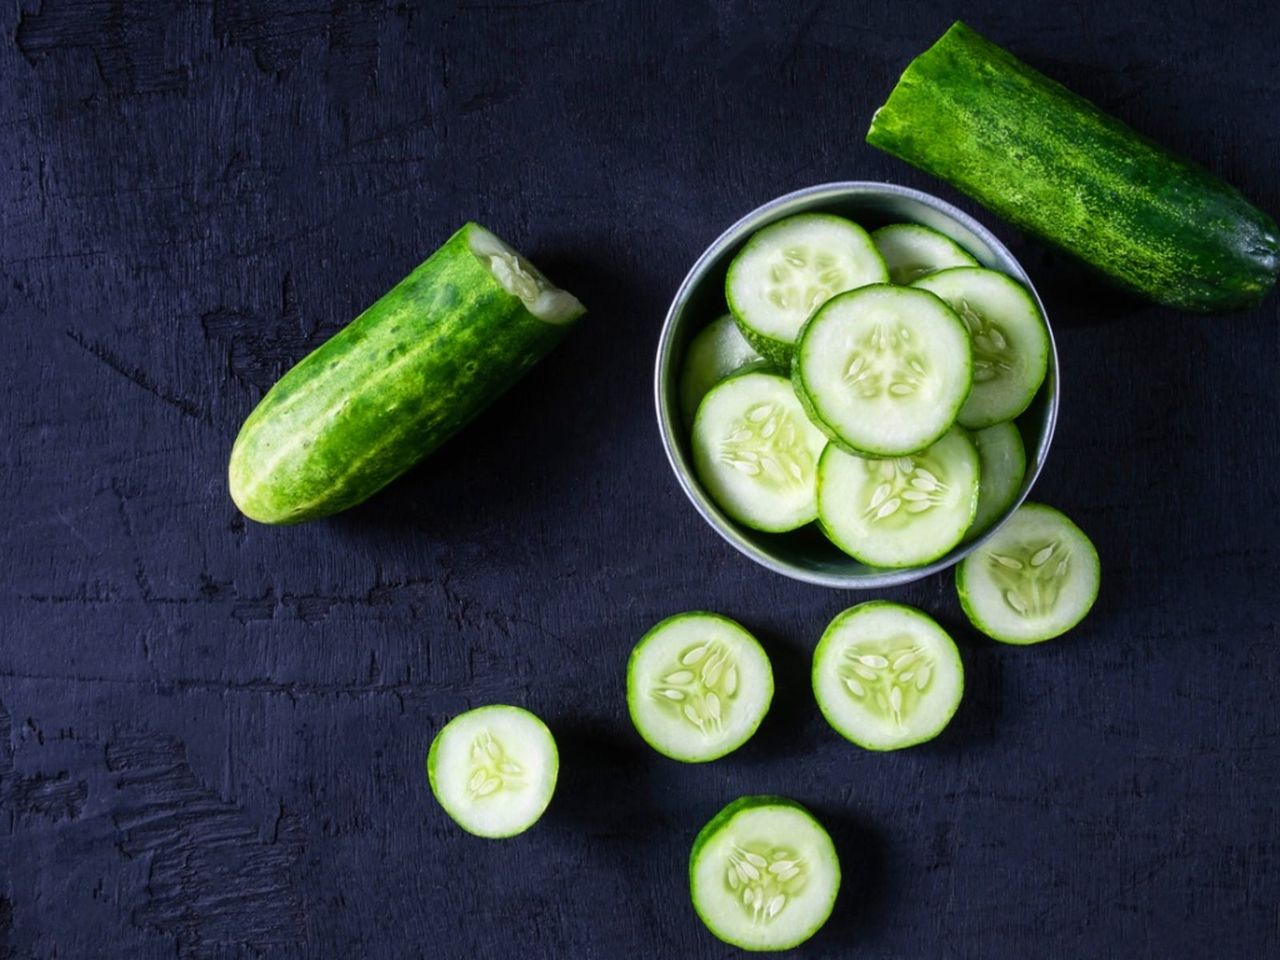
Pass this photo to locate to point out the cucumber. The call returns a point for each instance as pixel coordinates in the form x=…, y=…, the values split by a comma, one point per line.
x=698, y=685
x=883, y=370
x=397, y=381
x=886, y=676
x=764, y=874
x=1052, y=163
x=903, y=511
x=1010, y=340
x=718, y=350
x=756, y=453
x=1003, y=463
x=911, y=251
x=1035, y=579
x=787, y=269
x=493, y=770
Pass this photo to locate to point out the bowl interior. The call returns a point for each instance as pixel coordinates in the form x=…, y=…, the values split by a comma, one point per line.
x=806, y=554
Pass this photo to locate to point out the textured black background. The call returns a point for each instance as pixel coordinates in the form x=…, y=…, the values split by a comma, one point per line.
x=212, y=733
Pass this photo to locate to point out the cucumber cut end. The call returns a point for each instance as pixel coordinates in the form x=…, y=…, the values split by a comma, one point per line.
x=522, y=279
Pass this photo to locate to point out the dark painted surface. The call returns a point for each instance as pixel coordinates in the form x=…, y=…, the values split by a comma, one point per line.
x=212, y=733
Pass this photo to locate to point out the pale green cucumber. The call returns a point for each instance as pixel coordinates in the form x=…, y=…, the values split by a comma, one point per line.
x=717, y=350
x=1003, y=460
x=912, y=251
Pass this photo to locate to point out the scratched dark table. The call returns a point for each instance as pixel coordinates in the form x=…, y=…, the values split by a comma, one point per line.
x=212, y=732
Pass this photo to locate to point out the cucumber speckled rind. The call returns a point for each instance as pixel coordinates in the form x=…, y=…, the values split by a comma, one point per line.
x=912, y=251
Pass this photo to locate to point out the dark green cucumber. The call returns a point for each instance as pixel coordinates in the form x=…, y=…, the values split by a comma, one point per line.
x=1052, y=163
x=398, y=381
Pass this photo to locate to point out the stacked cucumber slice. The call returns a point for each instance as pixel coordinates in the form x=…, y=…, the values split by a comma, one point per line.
x=871, y=385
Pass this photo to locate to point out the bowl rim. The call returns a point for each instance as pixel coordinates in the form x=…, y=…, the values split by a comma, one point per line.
x=669, y=419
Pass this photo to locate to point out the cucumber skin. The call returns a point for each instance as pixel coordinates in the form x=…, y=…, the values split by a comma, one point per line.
x=386, y=390
x=1052, y=163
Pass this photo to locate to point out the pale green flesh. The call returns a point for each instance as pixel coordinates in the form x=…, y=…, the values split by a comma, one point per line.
x=764, y=874
x=1003, y=459
x=901, y=511
x=1009, y=337
x=886, y=676
x=911, y=251
x=493, y=770
x=698, y=686
x=1035, y=579
x=718, y=350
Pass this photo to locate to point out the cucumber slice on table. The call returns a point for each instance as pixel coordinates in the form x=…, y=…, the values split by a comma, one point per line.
x=1010, y=340
x=886, y=676
x=1034, y=580
x=493, y=769
x=903, y=511
x=1003, y=460
x=764, y=874
x=790, y=267
x=883, y=370
x=698, y=686
x=716, y=351
x=911, y=251
x=756, y=452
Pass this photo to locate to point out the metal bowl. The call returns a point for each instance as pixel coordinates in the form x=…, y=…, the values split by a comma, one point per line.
x=806, y=554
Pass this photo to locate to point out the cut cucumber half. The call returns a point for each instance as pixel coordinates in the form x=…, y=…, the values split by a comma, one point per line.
x=1010, y=340
x=764, y=874
x=911, y=251
x=493, y=769
x=1003, y=461
x=716, y=351
x=886, y=676
x=904, y=511
x=787, y=269
x=698, y=685
x=1034, y=580
x=756, y=452
x=883, y=370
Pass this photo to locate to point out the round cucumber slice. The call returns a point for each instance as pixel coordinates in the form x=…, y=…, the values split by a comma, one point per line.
x=756, y=452
x=787, y=269
x=911, y=251
x=493, y=769
x=900, y=512
x=886, y=676
x=1034, y=580
x=698, y=685
x=716, y=351
x=1010, y=340
x=764, y=874
x=1003, y=460
x=883, y=370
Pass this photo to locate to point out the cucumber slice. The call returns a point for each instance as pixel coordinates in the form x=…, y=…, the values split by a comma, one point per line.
x=901, y=512
x=698, y=685
x=886, y=676
x=756, y=452
x=1034, y=580
x=493, y=769
x=1003, y=461
x=1010, y=340
x=718, y=350
x=883, y=370
x=764, y=874
x=789, y=268
x=911, y=251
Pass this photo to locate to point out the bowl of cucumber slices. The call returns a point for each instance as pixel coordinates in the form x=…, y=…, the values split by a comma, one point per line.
x=856, y=384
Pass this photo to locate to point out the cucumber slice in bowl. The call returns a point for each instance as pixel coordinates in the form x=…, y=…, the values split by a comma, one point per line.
x=903, y=511
x=764, y=874
x=883, y=370
x=912, y=251
x=1010, y=340
x=698, y=685
x=789, y=268
x=1035, y=579
x=718, y=350
x=494, y=769
x=886, y=676
x=756, y=452
x=1003, y=460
